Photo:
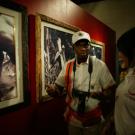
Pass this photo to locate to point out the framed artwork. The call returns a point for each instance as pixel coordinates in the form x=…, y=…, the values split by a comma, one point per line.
x=97, y=49
x=13, y=55
x=53, y=49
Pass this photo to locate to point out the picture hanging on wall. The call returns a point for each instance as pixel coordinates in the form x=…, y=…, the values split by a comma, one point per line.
x=97, y=49
x=13, y=55
x=53, y=49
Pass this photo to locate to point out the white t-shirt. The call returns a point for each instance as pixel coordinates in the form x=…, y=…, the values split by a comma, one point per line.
x=125, y=105
x=100, y=78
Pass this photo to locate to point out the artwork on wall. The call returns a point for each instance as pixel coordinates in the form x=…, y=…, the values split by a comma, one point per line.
x=13, y=55
x=53, y=49
x=97, y=49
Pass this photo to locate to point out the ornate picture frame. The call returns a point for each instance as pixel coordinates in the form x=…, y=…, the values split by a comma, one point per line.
x=53, y=48
x=14, y=55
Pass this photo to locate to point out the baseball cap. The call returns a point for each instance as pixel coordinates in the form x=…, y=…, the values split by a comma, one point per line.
x=80, y=35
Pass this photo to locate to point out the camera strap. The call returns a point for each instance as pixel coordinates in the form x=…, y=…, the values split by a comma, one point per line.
x=90, y=69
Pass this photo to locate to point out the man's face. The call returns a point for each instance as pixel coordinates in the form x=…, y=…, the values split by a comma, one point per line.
x=82, y=49
x=123, y=60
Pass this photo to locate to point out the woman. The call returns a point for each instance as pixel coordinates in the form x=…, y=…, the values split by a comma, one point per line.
x=124, y=114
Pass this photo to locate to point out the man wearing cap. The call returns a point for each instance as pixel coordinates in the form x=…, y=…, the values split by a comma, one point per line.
x=87, y=81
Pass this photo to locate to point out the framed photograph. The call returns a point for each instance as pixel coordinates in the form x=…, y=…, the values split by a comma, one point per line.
x=97, y=49
x=53, y=49
x=13, y=55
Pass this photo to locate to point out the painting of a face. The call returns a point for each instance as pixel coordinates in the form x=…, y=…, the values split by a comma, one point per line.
x=13, y=56
x=7, y=59
x=7, y=82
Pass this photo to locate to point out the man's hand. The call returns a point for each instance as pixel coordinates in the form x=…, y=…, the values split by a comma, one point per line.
x=50, y=89
x=54, y=90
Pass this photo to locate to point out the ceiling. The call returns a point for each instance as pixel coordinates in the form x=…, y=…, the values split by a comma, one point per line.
x=84, y=1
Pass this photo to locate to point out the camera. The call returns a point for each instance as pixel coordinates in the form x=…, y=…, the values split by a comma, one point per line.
x=81, y=95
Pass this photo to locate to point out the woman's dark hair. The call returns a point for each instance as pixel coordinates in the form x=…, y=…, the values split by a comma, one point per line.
x=126, y=44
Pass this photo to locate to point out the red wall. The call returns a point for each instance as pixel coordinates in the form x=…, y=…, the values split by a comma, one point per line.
x=68, y=12
x=49, y=115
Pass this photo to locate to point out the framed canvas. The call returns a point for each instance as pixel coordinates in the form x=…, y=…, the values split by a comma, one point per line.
x=13, y=55
x=97, y=49
x=53, y=49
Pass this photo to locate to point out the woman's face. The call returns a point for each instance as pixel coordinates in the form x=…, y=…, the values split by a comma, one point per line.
x=123, y=60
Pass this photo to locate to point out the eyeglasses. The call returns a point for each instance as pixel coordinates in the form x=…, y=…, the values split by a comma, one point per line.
x=82, y=45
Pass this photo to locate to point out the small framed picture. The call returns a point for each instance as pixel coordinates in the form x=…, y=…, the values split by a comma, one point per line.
x=97, y=49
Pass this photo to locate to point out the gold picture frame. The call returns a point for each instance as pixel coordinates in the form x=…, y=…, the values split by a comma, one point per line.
x=53, y=44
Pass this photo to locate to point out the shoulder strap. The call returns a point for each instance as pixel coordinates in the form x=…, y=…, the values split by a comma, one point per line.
x=90, y=67
x=68, y=81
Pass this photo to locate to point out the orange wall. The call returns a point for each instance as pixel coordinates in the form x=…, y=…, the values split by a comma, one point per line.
x=40, y=116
